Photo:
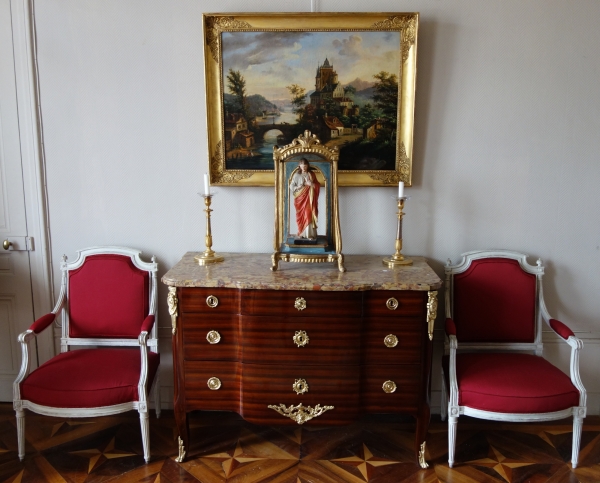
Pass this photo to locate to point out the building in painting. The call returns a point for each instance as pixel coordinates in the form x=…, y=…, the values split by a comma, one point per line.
x=330, y=127
x=370, y=132
x=328, y=87
x=237, y=133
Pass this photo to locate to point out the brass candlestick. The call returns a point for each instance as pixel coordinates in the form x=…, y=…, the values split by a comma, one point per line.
x=208, y=256
x=398, y=259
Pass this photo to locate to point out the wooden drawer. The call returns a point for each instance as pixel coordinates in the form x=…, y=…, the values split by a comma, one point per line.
x=404, y=398
x=199, y=396
x=270, y=340
x=195, y=299
x=264, y=385
x=196, y=345
x=409, y=303
x=318, y=304
x=408, y=331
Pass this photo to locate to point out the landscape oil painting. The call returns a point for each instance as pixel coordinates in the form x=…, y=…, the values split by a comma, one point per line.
x=353, y=87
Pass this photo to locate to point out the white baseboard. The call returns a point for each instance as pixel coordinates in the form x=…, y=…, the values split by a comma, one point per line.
x=166, y=397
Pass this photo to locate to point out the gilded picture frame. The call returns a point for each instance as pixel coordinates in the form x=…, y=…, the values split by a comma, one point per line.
x=347, y=77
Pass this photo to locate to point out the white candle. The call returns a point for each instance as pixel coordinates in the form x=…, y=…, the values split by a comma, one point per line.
x=401, y=189
x=206, y=187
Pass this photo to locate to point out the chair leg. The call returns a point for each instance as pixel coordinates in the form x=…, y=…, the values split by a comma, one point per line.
x=21, y=433
x=157, y=395
x=577, y=426
x=444, y=402
x=452, y=422
x=145, y=425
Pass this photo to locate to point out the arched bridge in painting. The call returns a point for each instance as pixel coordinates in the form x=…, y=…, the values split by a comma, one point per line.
x=288, y=130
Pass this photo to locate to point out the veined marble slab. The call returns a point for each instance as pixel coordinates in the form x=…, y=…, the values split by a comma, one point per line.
x=252, y=271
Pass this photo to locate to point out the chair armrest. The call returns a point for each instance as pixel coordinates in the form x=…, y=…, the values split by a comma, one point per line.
x=576, y=346
x=450, y=327
x=143, y=341
x=561, y=329
x=148, y=324
x=23, y=338
x=44, y=321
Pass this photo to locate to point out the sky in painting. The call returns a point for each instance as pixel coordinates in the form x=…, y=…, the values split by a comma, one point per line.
x=270, y=61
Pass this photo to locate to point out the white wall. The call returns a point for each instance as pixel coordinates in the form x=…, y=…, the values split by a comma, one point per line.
x=506, y=142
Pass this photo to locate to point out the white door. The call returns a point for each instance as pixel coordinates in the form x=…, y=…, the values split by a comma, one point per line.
x=16, y=304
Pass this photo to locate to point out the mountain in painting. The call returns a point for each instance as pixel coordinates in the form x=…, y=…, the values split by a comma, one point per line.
x=255, y=104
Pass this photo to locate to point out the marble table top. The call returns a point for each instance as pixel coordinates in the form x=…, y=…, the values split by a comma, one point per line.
x=252, y=271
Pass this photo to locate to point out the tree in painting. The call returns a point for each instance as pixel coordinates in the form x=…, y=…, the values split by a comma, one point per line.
x=237, y=88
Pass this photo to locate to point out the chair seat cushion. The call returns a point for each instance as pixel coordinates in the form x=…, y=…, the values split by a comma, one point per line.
x=89, y=378
x=511, y=383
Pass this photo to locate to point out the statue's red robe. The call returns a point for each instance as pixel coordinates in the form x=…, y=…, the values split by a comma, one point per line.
x=306, y=203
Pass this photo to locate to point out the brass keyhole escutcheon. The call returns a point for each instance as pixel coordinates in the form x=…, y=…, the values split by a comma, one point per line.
x=389, y=387
x=213, y=337
x=300, y=338
x=212, y=301
x=300, y=386
x=214, y=383
x=392, y=303
x=390, y=340
x=300, y=303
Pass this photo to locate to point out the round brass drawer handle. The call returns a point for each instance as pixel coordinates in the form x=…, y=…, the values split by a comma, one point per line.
x=300, y=386
x=389, y=387
x=212, y=301
x=300, y=338
x=390, y=340
x=213, y=337
x=300, y=303
x=392, y=303
x=214, y=383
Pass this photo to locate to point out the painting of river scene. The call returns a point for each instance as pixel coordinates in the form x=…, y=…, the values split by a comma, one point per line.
x=342, y=86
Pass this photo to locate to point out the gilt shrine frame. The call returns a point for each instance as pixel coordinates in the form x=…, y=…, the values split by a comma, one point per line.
x=347, y=77
x=303, y=199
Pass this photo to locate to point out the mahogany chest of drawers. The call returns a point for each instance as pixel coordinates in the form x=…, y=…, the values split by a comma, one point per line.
x=303, y=345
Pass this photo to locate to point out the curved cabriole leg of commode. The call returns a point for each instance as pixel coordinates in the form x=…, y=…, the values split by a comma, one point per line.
x=182, y=423
x=21, y=433
x=452, y=423
x=421, y=434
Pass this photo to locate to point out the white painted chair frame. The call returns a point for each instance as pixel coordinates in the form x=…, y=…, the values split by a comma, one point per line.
x=453, y=410
x=144, y=341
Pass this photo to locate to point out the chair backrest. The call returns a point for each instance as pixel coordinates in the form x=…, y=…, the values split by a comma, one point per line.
x=493, y=297
x=109, y=293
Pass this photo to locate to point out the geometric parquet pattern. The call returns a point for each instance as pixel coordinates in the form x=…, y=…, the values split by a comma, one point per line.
x=227, y=449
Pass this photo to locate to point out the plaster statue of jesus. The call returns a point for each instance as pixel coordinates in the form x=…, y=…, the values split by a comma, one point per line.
x=305, y=189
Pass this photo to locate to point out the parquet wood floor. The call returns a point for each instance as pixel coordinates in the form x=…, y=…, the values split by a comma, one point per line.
x=227, y=449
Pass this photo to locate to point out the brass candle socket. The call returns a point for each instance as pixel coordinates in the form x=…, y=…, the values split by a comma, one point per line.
x=397, y=259
x=208, y=256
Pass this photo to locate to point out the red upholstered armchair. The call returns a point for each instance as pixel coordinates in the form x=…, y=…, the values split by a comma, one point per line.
x=108, y=304
x=494, y=367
